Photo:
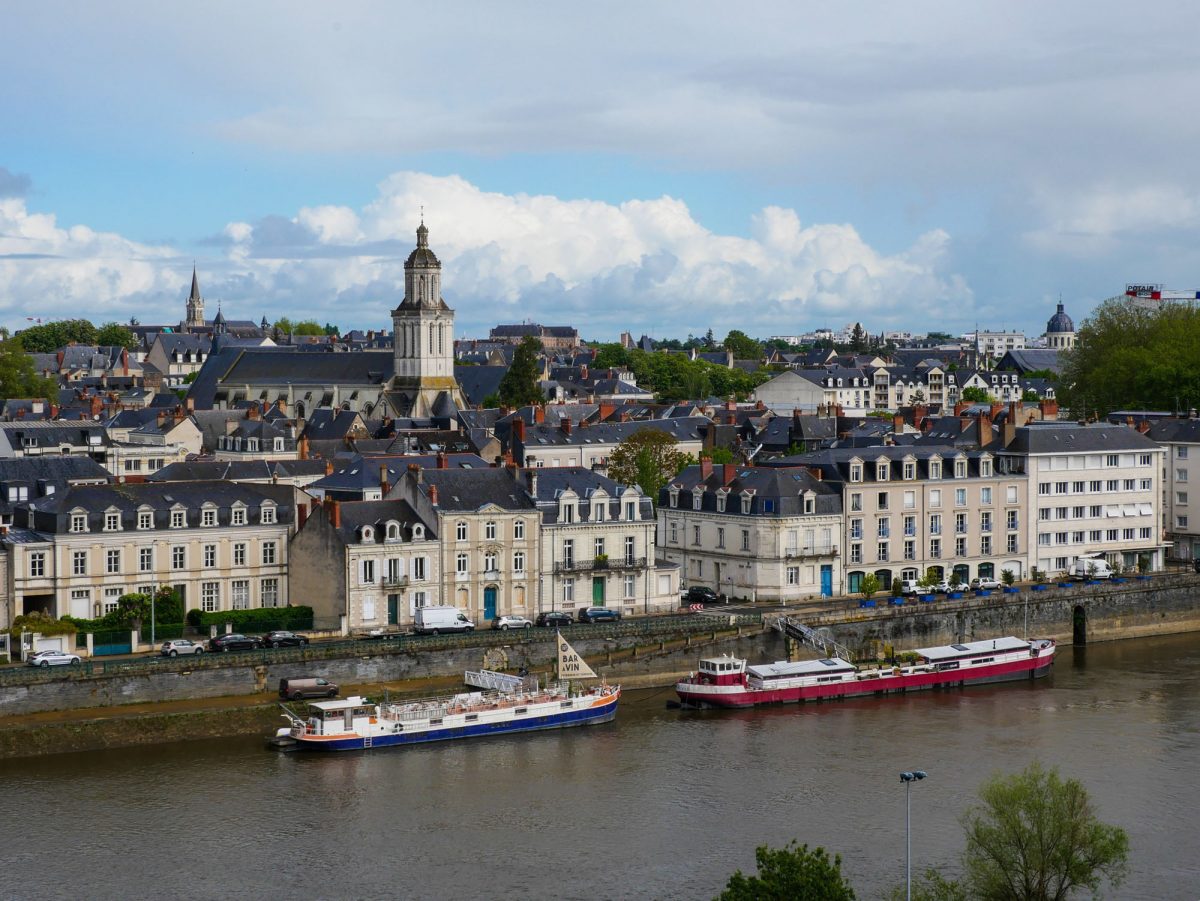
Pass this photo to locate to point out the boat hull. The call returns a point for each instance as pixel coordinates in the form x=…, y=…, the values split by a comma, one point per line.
x=699, y=695
x=587, y=716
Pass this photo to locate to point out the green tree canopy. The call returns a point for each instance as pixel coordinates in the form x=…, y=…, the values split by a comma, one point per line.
x=673, y=377
x=50, y=336
x=1036, y=836
x=790, y=874
x=743, y=346
x=975, y=395
x=18, y=378
x=113, y=334
x=305, y=327
x=647, y=458
x=869, y=585
x=520, y=385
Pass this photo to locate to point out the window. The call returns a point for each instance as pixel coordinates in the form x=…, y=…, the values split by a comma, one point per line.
x=674, y=532
x=394, y=571
x=810, y=505
x=210, y=596
x=268, y=514
x=935, y=469
x=208, y=517
x=237, y=517
x=1012, y=544
x=1095, y=535
x=210, y=556
x=630, y=550
x=721, y=495
x=145, y=520
x=239, y=594
x=910, y=549
x=78, y=522
x=1011, y=494
x=720, y=536
x=239, y=554
x=1060, y=538
x=598, y=547
x=1180, y=476
x=112, y=561
x=935, y=497
x=856, y=530
x=1112, y=485
x=630, y=585
x=1011, y=519
x=1127, y=534
x=960, y=547
x=910, y=500
x=1181, y=497
x=856, y=502
x=111, y=597
x=881, y=472
x=178, y=519
x=960, y=497
x=881, y=551
x=489, y=531
x=910, y=471
x=599, y=507
x=882, y=501
x=145, y=559
x=960, y=523
x=856, y=473
x=935, y=524
x=519, y=530
x=1146, y=484
x=268, y=553
x=368, y=572
x=1181, y=522
x=985, y=544
x=1043, y=539
x=631, y=510
x=960, y=469
x=568, y=587
x=695, y=534
x=883, y=527
x=856, y=553
x=1043, y=487
x=1130, y=484
x=985, y=521
x=1112, y=460
x=461, y=563
x=793, y=575
x=269, y=592
x=112, y=522
x=746, y=503
x=1060, y=512
x=569, y=551
x=82, y=595
x=1095, y=486
x=910, y=525
x=697, y=499
x=985, y=468
x=179, y=557
x=460, y=531
x=935, y=547
x=1110, y=535
x=519, y=563
x=490, y=564
x=985, y=495
x=745, y=539
x=37, y=564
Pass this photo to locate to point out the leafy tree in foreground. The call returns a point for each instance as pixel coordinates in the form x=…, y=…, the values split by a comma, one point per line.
x=743, y=346
x=17, y=375
x=869, y=586
x=647, y=458
x=974, y=395
x=520, y=387
x=113, y=334
x=790, y=874
x=50, y=336
x=1035, y=836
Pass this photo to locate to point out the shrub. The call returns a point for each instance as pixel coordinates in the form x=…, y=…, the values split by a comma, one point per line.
x=261, y=619
x=41, y=622
x=1008, y=577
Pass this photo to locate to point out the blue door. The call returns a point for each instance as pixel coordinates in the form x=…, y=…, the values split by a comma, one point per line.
x=489, y=603
x=826, y=580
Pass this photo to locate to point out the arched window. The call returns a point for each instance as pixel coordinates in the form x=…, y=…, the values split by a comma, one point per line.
x=368, y=534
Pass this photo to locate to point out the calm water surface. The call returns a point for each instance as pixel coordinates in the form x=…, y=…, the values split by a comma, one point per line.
x=659, y=804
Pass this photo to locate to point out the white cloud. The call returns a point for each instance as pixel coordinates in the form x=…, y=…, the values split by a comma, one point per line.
x=1102, y=218
x=640, y=264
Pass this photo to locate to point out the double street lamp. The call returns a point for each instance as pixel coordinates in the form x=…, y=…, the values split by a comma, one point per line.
x=908, y=779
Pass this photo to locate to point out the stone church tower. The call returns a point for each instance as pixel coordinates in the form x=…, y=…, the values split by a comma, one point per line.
x=195, y=305
x=424, y=383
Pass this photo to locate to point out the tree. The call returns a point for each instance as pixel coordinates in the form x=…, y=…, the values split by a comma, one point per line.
x=50, y=336
x=743, y=346
x=520, y=385
x=1008, y=577
x=721, y=455
x=974, y=395
x=17, y=375
x=647, y=458
x=858, y=338
x=306, y=327
x=790, y=874
x=1036, y=836
x=869, y=586
x=132, y=608
x=1029, y=396
x=113, y=334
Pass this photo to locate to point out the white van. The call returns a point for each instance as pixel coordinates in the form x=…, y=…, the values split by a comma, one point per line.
x=1090, y=567
x=435, y=620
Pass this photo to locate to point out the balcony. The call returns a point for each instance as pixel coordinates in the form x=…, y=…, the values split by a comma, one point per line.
x=811, y=550
x=395, y=582
x=580, y=566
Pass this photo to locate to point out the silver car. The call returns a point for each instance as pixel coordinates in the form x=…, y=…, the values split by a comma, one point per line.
x=53, y=658
x=504, y=623
x=177, y=646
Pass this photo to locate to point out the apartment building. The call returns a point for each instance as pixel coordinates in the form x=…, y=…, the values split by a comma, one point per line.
x=367, y=564
x=565, y=443
x=598, y=545
x=910, y=510
x=223, y=546
x=1093, y=488
x=1180, y=440
x=753, y=532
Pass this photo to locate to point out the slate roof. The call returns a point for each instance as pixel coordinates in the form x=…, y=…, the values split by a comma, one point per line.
x=353, y=515
x=1031, y=358
x=834, y=464
x=467, y=490
x=691, y=428
x=1175, y=431
x=237, y=470
x=50, y=474
x=778, y=491
x=552, y=482
x=361, y=472
x=1070, y=437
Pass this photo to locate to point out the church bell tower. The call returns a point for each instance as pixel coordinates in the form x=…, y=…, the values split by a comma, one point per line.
x=195, y=305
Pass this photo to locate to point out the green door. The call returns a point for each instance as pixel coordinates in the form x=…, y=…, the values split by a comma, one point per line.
x=393, y=609
x=597, y=591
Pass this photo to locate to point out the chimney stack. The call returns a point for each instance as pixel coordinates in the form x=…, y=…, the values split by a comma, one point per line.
x=328, y=467
x=539, y=414
x=433, y=495
x=898, y=423
x=729, y=472
x=706, y=467
x=518, y=426
x=441, y=460
x=960, y=408
x=302, y=447
x=302, y=514
x=565, y=422
x=531, y=478
x=335, y=514
x=384, y=485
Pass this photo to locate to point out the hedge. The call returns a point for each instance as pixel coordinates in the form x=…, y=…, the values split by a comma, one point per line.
x=262, y=619
x=40, y=622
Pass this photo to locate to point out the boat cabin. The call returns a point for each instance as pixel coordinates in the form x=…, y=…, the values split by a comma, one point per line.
x=338, y=717
x=724, y=670
x=974, y=653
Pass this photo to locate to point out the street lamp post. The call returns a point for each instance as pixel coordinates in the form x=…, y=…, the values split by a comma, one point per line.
x=908, y=779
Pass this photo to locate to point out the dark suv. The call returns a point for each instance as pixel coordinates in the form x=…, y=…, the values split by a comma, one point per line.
x=699, y=594
x=284, y=639
x=599, y=615
x=554, y=618
x=234, y=641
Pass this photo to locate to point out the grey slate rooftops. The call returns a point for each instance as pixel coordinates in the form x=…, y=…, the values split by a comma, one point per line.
x=549, y=485
x=1175, y=431
x=354, y=515
x=776, y=491
x=835, y=464
x=362, y=472
x=237, y=470
x=467, y=490
x=690, y=428
x=1070, y=437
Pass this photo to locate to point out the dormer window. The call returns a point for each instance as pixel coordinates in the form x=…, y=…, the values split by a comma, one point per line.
x=910, y=470
x=881, y=472
x=208, y=516
x=566, y=511
x=418, y=532
x=721, y=496
x=746, y=498
x=79, y=522
x=697, y=499
x=674, y=493
x=237, y=516
x=268, y=514
x=178, y=519
x=393, y=531
x=856, y=472
x=598, y=508
x=112, y=521
x=145, y=519
x=985, y=468
x=960, y=469
x=278, y=445
x=368, y=534
x=810, y=504
x=935, y=469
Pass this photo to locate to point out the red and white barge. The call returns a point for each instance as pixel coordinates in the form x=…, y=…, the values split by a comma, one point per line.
x=729, y=682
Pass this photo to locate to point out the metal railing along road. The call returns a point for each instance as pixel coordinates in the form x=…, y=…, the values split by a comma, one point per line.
x=640, y=627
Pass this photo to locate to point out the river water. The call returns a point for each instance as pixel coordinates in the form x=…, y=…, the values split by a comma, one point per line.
x=661, y=803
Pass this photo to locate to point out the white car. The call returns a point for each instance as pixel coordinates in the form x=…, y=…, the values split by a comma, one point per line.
x=981, y=583
x=177, y=646
x=53, y=658
x=504, y=623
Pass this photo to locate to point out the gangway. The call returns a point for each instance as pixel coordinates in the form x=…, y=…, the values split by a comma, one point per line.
x=806, y=635
x=489, y=680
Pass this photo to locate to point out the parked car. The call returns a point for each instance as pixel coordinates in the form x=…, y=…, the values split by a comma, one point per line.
x=504, y=623
x=1092, y=567
x=942, y=587
x=234, y=641
x=283, y=639
x=177, y=646
x=599, y=615
x=295, y=689
x=979, y=583
x=554, y=618
x=909, y=587
x=53, y=658
x=700, y=594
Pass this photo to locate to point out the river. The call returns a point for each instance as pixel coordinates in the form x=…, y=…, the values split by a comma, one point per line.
x=661, y=803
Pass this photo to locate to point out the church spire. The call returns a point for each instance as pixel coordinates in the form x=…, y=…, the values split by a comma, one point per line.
x=194, y=317
x=195, y=295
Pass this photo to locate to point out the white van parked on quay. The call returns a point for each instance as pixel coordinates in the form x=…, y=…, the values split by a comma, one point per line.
x=436, y=620
x=1089, y=567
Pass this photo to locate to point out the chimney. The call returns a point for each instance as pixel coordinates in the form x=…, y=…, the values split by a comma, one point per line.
x=328, y=467
x=583, y=423
x=1013, y=406
x=1144, y=426
x=920, y=411
x=565, y=422
x=335, y=514
x=838, y=411
x=518, y=428
x=759, y=405
x=815, y=472
x=607, y=409
x=583, y=372
x=898, y=423
x=1049, y=409
x=706, y=467
x=384, y=485
x=539, y=414
x=125, y=361
x=281, y=406
x=252, y=411
x=302, y=447
x=960, y=408
x=731, y=405
x=985, y=429
x=1008, y=431
x=729, y=472
x=531, y=478
x=190, y=405
x=302, y=513
x=54, y=411
x=433, y=495
x=442, y=462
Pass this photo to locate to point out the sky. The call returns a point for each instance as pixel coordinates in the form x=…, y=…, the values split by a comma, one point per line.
x=661, y=168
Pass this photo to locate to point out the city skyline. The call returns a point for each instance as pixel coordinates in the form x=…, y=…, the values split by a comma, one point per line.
x=789, y=169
